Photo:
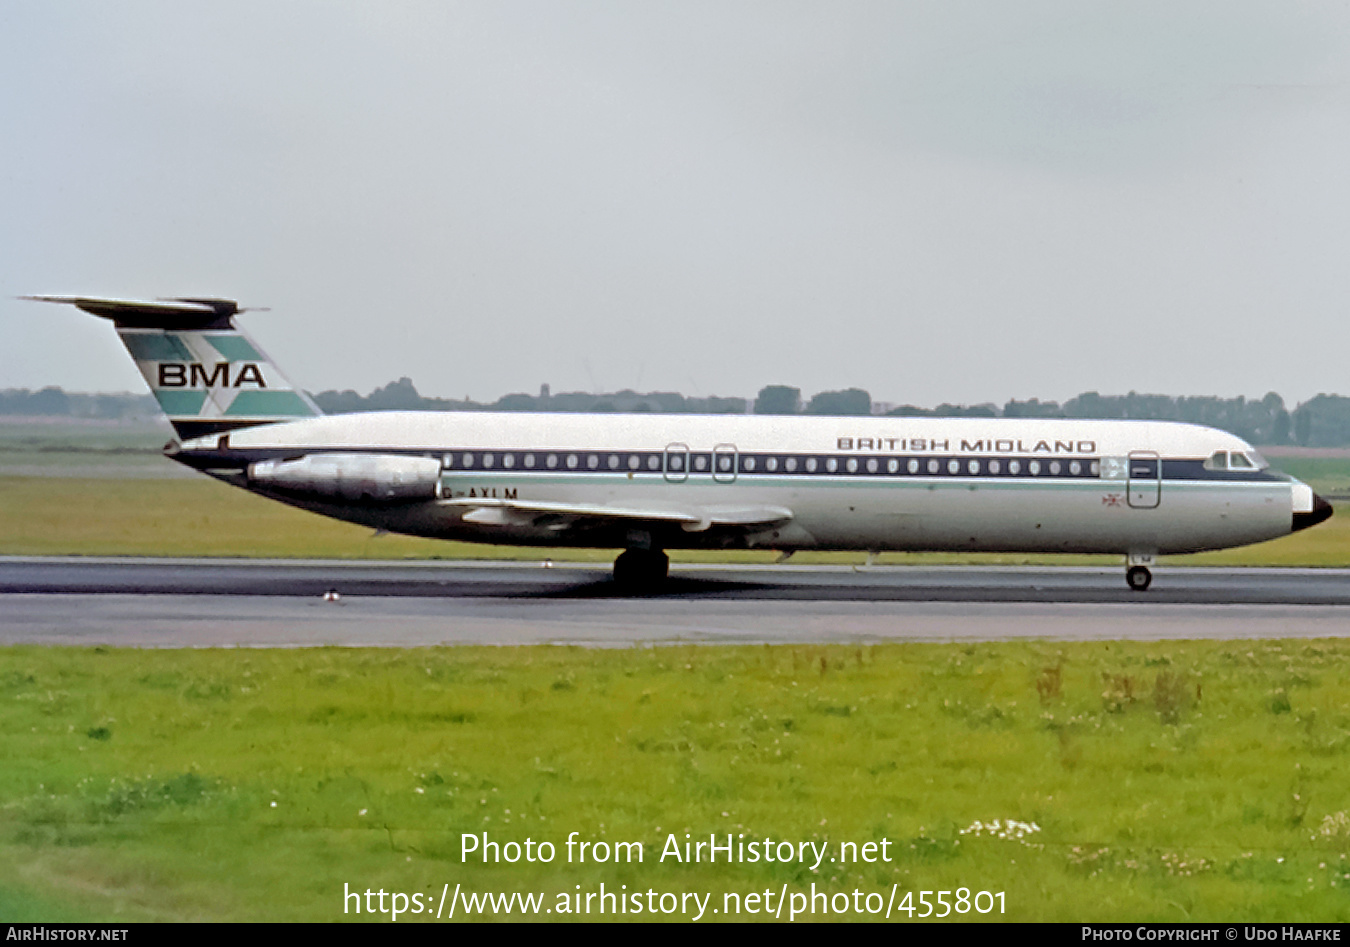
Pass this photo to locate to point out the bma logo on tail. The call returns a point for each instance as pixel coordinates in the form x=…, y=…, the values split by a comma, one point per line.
x=195, y=375
x=206, y=373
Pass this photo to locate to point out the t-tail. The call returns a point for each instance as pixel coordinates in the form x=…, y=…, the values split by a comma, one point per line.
x=206, y=373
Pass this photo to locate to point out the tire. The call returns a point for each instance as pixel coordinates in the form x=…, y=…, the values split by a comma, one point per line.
x=641, y=569
x=1138, y=578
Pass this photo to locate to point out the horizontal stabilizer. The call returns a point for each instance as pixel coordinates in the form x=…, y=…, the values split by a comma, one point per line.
x=203, y=313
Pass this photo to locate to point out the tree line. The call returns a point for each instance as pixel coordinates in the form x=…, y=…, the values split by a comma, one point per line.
x=1323, y=421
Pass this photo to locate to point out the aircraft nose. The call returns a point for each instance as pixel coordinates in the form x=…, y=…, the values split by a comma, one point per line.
x=1319, y=510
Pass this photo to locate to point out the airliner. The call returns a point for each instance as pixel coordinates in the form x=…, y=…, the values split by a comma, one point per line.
x=648, y=483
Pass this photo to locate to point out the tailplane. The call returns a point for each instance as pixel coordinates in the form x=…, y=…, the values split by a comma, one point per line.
x=206, y=373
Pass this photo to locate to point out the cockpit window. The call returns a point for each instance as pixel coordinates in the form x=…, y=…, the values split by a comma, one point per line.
x=1236, y=460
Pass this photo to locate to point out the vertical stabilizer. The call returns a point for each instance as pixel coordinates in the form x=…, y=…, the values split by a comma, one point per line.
x=206, y=373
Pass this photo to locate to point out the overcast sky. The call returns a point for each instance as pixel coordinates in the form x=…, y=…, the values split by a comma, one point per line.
x=936, y=202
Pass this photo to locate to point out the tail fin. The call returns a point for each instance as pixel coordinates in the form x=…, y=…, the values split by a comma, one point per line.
x=207, y=375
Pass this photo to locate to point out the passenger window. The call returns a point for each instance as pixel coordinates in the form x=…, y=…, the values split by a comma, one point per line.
x=1219, y=461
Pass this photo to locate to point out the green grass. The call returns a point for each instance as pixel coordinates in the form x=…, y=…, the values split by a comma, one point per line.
x=1167, y=781
x=1326, y=475
x=83, y=436
x=86, y=449
x=202, y=517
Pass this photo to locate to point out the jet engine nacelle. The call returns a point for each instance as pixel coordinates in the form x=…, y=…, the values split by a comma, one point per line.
x=379, y=478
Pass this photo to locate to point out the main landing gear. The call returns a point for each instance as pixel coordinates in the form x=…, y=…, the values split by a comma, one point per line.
x=1138, y=578
x=641, y=569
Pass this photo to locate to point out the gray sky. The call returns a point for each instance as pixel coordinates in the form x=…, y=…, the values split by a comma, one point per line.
x=939, y=201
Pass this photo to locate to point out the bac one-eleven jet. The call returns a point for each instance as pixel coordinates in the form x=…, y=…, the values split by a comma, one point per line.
x=646, y=483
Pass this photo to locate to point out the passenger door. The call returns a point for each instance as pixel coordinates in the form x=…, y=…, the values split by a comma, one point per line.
x=1144, y=485
x=724, y=463
x=675, y=463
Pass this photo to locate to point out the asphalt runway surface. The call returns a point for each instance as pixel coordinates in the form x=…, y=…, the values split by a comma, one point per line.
x=259, y=603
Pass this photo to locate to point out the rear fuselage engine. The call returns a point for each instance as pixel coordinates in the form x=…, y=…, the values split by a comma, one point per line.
x=377, y=478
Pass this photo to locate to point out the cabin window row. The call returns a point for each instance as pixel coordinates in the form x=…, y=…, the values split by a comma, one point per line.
x=778, y=464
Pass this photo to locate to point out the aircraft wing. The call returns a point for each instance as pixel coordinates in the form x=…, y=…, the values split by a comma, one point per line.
x=564, y=516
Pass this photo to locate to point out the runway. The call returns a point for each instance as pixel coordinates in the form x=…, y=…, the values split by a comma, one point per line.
x=227, y=603
x=688, y=583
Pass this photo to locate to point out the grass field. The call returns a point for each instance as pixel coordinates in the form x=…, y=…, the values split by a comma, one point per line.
x=82, y=435
x=201, y=517
x=1146, y=781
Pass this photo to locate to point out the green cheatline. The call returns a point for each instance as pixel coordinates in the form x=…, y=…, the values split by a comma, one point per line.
x=1157, y=781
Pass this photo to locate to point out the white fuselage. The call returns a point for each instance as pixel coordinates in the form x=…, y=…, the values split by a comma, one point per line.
x=788, y=483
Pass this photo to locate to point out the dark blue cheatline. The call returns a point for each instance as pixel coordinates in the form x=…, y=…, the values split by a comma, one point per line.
x=707, y=463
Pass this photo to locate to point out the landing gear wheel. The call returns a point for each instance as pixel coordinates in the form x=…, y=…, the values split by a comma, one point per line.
x=641, y=569
x=1138, y=578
